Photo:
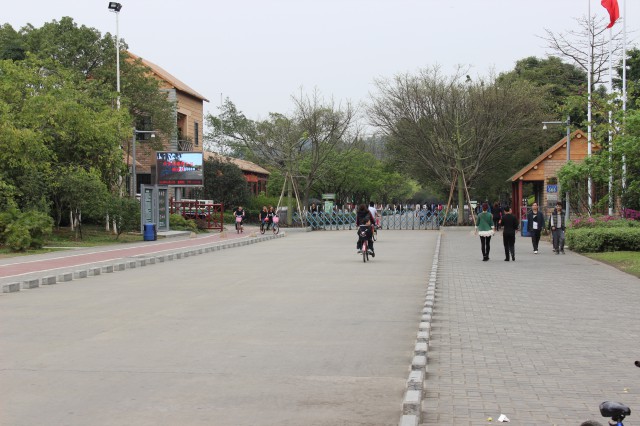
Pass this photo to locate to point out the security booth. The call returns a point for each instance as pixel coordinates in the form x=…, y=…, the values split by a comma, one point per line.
x=540, y=177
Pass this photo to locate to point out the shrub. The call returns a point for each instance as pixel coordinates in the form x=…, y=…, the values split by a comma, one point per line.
x=179, y=223
x=125, y=212
x=7, y=217
x=17, y=237
x=39, y=225
x=256, y=203
x=21, y=231
x=599, y=239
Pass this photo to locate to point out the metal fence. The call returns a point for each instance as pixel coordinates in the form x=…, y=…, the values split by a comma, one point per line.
x=389, y=219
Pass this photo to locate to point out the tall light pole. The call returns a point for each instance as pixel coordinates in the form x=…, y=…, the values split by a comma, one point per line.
x=115, y=7
x=568, y=123
x=134, y=188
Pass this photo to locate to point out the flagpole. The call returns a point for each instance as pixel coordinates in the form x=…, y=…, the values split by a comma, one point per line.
x=610, y=127
x=589, y=76
x=624, y=88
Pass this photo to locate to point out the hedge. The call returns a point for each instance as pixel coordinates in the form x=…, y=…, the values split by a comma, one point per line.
x=592, y=240
x=604, y=222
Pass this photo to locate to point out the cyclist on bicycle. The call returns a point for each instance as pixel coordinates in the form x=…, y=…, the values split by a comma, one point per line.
x=264, y=214
x=270, y=215
x=364, y=219
x=374, y=214
x=239, y=213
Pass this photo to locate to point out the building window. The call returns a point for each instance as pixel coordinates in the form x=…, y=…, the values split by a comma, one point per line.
x=196, y=134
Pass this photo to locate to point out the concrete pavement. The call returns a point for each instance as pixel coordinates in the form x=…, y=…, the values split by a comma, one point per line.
x=293, y=331
x=543, y=340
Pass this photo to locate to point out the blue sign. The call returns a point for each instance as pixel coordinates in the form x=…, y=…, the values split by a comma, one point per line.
x=552, y=188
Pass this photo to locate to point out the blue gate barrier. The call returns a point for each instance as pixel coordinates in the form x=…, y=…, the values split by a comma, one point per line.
x=389, y=219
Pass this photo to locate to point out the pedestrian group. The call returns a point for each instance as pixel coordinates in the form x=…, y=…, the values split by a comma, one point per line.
x=488, y=223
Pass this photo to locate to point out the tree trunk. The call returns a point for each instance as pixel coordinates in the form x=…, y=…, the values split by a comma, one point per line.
x=460, y=197
x=289, y=201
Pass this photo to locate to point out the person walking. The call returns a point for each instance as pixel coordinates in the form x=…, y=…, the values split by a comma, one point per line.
x=557, y=227
x=484, y=228
x=509, y=228
x=497, y=215
x=535, y=224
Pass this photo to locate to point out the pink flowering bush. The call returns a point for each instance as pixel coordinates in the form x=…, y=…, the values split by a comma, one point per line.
x=603, y=233
x=604, y=221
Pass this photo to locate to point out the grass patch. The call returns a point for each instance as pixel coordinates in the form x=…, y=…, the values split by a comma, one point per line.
x=627, y=261
x=92, y=236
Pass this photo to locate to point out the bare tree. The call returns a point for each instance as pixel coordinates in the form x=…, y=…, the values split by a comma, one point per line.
x=296, y=145
x=587, y=46
x=452, y=127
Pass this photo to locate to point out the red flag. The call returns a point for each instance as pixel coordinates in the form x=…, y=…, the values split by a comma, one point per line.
x=612, y=8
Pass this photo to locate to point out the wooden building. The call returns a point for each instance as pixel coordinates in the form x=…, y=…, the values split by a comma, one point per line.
x=542, y=174
x=189, y=116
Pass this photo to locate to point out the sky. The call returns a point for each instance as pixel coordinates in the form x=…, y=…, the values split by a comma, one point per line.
x=260, y=53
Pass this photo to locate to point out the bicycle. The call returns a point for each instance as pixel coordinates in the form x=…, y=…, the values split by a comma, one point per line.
x=364, y=247
x=239, y=226
x=365, y=251
x=263, y=226
x=276, y=225
x=615, y=410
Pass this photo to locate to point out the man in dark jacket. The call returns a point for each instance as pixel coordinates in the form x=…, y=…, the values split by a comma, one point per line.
x=557, y=226
x=509, y=227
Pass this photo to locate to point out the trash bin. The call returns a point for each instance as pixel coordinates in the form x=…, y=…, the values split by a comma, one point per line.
x=150, y=233
x=523, y=228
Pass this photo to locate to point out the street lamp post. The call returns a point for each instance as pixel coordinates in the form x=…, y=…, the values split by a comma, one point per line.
x=134, y=188
x=115, y=7
x=568, y=124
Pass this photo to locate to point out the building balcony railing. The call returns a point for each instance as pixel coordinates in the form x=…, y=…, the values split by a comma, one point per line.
x=185, y=145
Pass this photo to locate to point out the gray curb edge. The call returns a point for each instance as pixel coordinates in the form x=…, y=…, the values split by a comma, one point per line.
x=414, y=393
x=129, y=263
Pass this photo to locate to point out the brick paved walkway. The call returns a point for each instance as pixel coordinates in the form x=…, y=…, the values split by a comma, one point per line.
x=543, y=340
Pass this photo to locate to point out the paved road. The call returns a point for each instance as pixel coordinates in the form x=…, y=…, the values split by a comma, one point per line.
x=543, y=340
x=291, y=331
x=298, y=331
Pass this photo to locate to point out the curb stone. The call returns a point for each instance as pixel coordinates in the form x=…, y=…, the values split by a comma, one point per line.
x=122, y=265
x=412, y=403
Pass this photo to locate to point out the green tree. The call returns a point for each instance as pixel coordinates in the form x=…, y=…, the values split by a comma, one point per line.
x=633, y=78
x=82, y=193
x=11, y=44
x=91, y=56
x=48, y=119
x=558, y=80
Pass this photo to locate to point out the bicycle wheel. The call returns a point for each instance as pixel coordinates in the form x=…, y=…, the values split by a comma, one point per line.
x=237, y=228
x=365, y=251
x=262, y=228
x=276, y=228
